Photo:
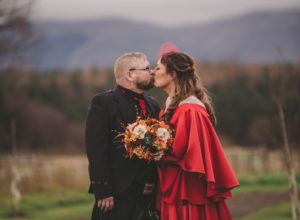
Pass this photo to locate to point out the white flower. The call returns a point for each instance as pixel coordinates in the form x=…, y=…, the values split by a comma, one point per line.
x=130, y=126
x=140, y=131
x=163, y=134
x=158, y=157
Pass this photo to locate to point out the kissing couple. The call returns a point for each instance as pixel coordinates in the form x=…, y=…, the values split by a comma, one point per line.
x=192, y=180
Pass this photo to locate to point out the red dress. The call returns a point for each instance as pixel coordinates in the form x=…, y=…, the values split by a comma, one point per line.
x=196, y=177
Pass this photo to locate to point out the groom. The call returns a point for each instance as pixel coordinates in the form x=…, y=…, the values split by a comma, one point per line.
x=121, y=186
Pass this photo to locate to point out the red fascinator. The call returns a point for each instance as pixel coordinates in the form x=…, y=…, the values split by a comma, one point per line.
x=167, y=48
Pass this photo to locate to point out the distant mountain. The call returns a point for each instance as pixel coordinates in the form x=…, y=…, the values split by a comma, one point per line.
x=252, y=37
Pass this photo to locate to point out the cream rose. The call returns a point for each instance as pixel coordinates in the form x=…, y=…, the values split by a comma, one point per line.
x=131, y=126
x=140, y=131
x=163, y=134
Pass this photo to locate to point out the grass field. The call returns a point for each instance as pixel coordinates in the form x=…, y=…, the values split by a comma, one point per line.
x=278, y=212
x=76, y=204
x=264, y=182
x=50, y=207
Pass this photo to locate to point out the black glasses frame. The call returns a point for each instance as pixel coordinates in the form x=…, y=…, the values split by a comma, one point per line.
x=148, y=68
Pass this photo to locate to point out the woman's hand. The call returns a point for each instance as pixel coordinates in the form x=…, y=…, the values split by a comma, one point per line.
x=158, y=157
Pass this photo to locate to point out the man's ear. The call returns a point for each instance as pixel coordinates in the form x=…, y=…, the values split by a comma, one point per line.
x=128, y=76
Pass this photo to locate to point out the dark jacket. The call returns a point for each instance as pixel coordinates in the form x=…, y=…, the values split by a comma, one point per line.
x=110, y=172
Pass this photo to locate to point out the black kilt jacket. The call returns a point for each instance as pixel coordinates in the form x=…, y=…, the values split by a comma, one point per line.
x=110, y=172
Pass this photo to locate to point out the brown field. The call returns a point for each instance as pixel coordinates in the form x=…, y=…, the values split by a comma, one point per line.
x=43, y=173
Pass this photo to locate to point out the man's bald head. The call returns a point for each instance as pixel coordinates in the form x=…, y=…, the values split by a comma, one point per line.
x=125, y=62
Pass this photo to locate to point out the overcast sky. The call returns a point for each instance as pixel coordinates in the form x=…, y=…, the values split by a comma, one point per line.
x=162, y=12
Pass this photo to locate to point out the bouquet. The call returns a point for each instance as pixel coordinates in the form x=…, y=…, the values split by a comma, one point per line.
x=147, y=139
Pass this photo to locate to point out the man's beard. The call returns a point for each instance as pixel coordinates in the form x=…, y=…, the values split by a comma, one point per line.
x=145, y=86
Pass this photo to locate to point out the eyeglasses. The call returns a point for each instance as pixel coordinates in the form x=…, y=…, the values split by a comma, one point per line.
x=148, y=68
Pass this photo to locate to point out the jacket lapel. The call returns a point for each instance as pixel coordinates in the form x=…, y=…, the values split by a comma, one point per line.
x=125, y=107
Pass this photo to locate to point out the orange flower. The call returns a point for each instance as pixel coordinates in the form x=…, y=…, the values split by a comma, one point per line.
x=147, y=139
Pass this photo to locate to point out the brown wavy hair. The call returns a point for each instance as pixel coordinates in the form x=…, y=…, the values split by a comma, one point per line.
x=187, y=83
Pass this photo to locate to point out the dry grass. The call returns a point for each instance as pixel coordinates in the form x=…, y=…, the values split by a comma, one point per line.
x=45, y=173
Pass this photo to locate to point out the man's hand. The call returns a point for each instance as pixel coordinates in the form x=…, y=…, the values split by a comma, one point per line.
x=106, y=204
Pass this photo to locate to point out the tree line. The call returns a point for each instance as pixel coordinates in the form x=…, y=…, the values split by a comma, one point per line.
x=49, y=107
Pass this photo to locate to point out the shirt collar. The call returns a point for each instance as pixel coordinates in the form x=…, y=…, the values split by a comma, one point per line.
x=131, y=93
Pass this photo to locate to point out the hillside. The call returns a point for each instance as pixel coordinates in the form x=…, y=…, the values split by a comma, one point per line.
x=257, y=36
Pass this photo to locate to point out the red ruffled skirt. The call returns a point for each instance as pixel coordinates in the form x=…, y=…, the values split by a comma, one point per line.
x=213, y=211
x=195, y=177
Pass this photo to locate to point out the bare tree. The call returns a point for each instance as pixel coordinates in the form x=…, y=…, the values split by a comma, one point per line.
x=16, y=31
x=284, y=87
x=16, y=175
x=16, y=35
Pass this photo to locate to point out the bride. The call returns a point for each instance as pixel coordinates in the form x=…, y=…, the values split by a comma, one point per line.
x=195, y=178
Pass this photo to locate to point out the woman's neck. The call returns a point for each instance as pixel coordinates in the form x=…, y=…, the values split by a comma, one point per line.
x=170, y=89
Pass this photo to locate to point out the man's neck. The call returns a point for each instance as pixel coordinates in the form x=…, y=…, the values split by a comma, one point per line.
x=134, y=89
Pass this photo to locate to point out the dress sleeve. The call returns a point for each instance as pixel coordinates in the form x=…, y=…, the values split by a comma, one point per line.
x=197, y=149
x=185, y=150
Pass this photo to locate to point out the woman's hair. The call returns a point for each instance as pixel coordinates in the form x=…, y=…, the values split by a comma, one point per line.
x=187, y=83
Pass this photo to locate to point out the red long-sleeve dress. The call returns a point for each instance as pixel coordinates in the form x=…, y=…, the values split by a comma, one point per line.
x=196, y=177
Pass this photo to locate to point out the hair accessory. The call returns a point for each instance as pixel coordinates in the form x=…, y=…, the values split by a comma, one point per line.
x=167, y=48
